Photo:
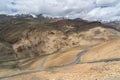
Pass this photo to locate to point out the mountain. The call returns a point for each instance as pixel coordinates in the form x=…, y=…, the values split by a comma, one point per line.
x=56, y=46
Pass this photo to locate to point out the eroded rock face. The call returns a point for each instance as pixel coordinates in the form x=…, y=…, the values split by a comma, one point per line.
x=48, y=42
x=38, y=38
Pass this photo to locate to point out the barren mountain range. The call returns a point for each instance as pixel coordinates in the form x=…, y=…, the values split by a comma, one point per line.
x=58, y=49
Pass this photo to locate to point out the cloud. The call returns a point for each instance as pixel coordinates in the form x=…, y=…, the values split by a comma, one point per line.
x=86, y=9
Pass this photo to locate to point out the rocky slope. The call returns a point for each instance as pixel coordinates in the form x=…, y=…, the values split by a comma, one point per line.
x=33, y=37
x=6, y=50
x=59, y=46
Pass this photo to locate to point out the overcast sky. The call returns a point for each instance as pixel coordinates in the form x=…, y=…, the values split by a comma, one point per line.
x=85, y=9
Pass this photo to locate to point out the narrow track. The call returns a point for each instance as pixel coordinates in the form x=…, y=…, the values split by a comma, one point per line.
x=40, y=66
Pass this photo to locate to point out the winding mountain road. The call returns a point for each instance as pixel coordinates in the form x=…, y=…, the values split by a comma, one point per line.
x=43, y=62
x=78, y=57
x=76, y=61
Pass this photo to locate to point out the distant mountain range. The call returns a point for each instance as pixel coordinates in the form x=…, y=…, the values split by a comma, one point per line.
x=112, y=24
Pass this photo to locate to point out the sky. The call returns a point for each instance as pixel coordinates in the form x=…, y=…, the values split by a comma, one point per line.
x=105, y=10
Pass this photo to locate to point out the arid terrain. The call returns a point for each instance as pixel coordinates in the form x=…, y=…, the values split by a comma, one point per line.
x=58, y=49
